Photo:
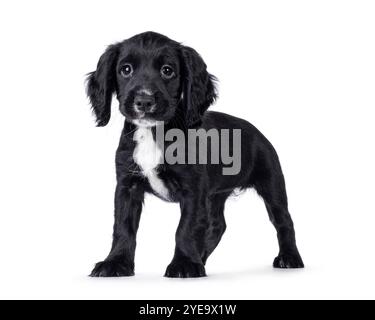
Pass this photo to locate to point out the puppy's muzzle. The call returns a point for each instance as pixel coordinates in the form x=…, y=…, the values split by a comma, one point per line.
x=144, y=103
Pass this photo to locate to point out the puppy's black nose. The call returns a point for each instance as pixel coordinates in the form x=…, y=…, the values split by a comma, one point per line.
x=144, y=102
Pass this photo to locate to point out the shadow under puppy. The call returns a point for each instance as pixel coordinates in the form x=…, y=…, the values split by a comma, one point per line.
x=158, y=80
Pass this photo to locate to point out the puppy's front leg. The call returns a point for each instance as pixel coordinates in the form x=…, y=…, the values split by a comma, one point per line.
x=190, y=239
x=128, y=207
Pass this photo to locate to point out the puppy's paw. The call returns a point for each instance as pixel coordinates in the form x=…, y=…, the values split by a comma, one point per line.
x=185, y=269
x=110, y=268
x=288, y=261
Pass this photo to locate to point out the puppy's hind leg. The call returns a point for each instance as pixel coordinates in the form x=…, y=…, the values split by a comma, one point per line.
x=270, y=185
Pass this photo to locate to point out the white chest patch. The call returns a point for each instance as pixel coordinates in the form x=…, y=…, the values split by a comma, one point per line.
x=148, y=156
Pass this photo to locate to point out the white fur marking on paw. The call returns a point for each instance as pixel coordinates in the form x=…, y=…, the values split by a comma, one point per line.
x=148, y=156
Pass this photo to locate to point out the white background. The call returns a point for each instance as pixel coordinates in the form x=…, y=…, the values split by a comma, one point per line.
x=303, y=72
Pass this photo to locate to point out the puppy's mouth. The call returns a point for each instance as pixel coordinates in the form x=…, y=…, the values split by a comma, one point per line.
x=140, y=114
x=144, y=118
x=147, y=115
x=145, y=123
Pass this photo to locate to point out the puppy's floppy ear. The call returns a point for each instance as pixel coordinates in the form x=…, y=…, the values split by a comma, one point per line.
x=199, y=90
x=101, y=84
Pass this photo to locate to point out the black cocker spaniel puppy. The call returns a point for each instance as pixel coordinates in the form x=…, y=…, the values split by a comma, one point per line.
x=160, y=82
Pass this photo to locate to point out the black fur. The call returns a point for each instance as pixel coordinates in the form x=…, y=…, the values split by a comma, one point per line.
x=181, y=102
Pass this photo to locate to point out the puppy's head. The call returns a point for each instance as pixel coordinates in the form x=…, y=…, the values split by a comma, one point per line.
x=154, y=78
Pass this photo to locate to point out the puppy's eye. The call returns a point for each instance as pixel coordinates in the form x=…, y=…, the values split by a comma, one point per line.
x=126, y=70
x=167, y=72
